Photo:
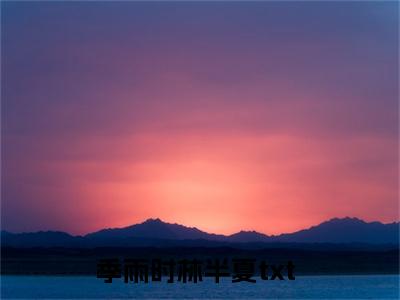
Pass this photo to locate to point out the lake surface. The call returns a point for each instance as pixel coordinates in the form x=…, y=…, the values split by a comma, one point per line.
x=304, y=287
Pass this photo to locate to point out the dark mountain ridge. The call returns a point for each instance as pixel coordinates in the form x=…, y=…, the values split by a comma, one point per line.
x=154, y=232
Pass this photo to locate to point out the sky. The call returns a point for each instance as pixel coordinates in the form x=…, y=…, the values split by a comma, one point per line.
x=226, y=116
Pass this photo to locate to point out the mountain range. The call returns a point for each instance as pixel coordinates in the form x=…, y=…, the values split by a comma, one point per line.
x=154, y=232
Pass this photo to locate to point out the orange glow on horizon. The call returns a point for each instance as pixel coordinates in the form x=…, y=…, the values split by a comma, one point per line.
x=226, y=189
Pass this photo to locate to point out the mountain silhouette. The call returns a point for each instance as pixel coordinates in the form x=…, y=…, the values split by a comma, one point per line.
x=154, y=232
x=346, y=230
x=248, y=237
x=38, y=239
x=155, y=229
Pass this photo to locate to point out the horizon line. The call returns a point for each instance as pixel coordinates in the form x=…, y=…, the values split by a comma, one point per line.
x=194, y=227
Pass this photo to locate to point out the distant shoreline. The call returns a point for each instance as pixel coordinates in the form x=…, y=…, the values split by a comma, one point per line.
x=76, y=262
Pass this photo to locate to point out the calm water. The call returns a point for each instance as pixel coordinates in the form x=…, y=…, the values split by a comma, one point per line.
x=304, y=287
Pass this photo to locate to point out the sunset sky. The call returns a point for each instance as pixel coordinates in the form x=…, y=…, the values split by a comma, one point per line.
x=225, y=116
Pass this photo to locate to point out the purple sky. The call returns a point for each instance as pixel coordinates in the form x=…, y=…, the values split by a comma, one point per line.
x=225, y=116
